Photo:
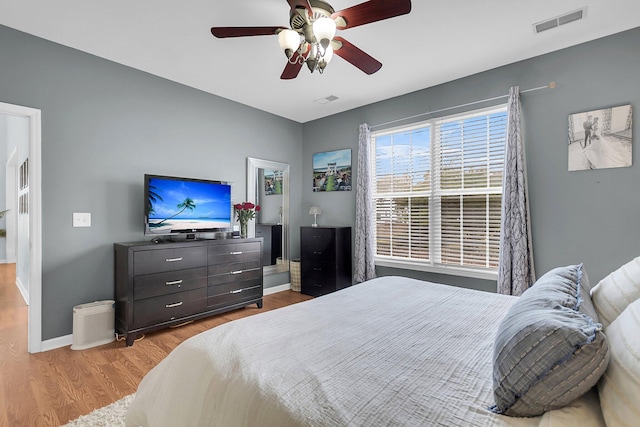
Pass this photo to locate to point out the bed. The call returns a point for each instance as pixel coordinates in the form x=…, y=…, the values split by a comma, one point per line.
x=392, y=351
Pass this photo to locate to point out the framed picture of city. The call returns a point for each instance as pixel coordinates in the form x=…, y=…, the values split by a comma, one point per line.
x=332, y=170
x=600, y=139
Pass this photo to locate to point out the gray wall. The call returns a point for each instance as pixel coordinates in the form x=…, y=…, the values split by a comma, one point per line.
x=105, y=125
x=586, y=216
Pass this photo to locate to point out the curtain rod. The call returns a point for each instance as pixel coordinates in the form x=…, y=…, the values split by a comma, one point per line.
x=551, y=85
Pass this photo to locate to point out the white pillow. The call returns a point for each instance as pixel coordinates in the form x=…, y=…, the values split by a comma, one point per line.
x=616, y=291
x=619, y=387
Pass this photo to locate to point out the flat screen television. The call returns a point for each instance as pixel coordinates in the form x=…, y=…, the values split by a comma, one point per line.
x=185, y=205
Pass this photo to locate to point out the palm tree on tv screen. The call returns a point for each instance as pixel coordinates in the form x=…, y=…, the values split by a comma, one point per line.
x=153, y=197
x=188, y=203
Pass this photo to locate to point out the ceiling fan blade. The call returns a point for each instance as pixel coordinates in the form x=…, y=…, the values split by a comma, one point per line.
x=357, y=57
x=291, y=71
x=371, y=11
x=301, y=4
x=224, y=32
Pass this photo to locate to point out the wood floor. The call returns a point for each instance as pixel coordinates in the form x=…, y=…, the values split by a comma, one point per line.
x=54, y=387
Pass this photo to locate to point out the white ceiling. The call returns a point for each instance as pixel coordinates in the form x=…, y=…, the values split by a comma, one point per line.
x=437, y=42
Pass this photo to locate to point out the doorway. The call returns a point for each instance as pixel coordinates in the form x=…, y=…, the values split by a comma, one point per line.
x=29, y=235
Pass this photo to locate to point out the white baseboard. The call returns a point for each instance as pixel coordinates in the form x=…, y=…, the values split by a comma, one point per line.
x=68, y=339
x=54, y=343
x=276, y=289
x=23, y=290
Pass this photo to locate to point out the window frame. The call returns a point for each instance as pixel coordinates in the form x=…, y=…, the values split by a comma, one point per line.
x=434, y=195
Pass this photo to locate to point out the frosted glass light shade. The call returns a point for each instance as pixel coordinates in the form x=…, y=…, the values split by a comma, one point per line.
x=324, y=29
x=289, y=41
x=328, y=54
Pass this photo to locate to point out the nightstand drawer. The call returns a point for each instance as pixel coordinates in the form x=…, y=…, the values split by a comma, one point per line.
x=169, y=259
x=151, y=285
x=166, y=308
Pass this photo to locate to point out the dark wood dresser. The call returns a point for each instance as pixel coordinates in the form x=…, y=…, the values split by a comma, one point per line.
x=325, y=259
x=166, y=284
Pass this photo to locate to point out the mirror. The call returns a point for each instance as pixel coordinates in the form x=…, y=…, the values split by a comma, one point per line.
x=268, y=187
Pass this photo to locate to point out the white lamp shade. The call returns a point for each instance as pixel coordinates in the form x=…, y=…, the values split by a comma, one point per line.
x=289, y=40
x=324, y=29
x=315, y=210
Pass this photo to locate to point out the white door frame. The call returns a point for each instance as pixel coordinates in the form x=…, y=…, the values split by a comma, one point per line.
x=35, y=221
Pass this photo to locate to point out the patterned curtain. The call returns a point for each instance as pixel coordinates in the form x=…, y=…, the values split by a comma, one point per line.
x=516, y=271
x=364, y=239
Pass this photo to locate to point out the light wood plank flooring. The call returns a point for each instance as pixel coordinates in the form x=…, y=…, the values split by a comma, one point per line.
x=54, y=387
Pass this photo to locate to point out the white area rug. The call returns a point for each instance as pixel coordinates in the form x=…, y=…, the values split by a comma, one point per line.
x=109, y=416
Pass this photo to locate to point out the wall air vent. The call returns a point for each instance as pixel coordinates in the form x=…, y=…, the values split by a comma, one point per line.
x=548, y=24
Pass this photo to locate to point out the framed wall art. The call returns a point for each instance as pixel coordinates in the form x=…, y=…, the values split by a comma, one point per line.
x=600, y=139
x=332, y=170
x=272, y=182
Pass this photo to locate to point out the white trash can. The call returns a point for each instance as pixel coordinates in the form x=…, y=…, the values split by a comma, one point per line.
x=93, y=324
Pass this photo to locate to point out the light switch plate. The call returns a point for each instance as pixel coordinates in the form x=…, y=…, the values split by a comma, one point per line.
x=81, y=219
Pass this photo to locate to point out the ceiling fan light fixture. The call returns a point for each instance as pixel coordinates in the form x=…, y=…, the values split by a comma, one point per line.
x=289, y=41
x=325, y=59
x=324, y=30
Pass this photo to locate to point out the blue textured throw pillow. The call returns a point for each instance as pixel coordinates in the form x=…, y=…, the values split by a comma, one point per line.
x=550, y=348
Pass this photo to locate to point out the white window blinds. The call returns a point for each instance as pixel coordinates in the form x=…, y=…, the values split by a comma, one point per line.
x=437, y=191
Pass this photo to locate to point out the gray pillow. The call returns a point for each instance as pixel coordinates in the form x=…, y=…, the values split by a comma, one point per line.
x=550, y=348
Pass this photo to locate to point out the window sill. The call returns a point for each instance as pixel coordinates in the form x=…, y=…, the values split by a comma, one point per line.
x=485, y=274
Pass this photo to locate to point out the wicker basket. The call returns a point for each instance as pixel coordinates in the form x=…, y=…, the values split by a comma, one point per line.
x=294, y=272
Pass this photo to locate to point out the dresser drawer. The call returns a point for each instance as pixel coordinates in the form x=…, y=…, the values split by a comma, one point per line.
x=165, y=308
x=249, y=280
x=234, y=252
x=170, y=259
x=317, y=287
x=234, y=267
x=151, y=285
x=317, y=239
x=234, y=297
x=234, y=276
x=318, y=269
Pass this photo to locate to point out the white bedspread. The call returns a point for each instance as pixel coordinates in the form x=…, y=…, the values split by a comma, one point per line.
x=389, y=352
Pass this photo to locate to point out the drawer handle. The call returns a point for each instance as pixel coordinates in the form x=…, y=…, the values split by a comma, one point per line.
x=237, y=272
x=317, y=285
x=175, y=304
x=237, y=291
x=174, y=282
x=317, y=252
x=235, y=253
x=173, y=259
x=317, y=269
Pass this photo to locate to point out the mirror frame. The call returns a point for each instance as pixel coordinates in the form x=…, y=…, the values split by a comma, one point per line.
x=253, y=165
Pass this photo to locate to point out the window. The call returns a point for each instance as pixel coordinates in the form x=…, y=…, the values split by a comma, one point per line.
x=437, y=194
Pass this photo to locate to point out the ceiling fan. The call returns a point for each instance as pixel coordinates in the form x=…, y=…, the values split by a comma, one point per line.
x=311, y=38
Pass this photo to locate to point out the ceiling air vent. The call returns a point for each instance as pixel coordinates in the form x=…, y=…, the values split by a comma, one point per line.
x=548, y=24
x=327, y=99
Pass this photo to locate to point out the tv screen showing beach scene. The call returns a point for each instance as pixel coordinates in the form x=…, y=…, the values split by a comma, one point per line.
x=184, y=205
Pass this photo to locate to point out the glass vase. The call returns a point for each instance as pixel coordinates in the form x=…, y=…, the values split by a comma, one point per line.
x=243, y=229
